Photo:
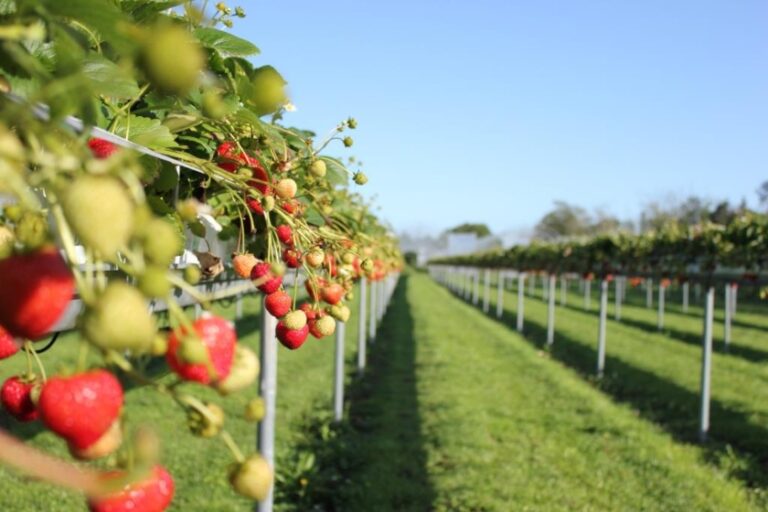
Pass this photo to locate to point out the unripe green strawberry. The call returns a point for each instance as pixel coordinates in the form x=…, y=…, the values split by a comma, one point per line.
x=6, y=242
x=315, y=258
x=13, y=212
x=187, y=210
x=286, y=188
x=100, y=211
x=172, y=59
x=360, y=178
x=120, y=320
x=325, y=326
x=154, y=283
x=161, y=242
x=245, y=369
x=352, y=123
x=268, y=90
x=340, y=312
x=318, y=168
x=192, y=274
x=32, y=230
x=295, y=320
x=207, y=423
x=367, y=265
x=255, y=409
x=348, y=142
x=252, y=478
x=268, y=203
x=348, y=258
x=159, y=345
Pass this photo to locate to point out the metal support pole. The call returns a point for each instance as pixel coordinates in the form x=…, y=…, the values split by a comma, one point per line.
x=268, y=391
x=649, y=293
x=617, y=298
x=372, y=314
x=551, y=311
x=487, y=291
x=686, y=292
x=706, y=363
x=338, y=373
x=588, y=294
x=520, y=301
x=500, y=294
x=734, y=296
x=601, y=327
x=660, y=318
x=381, y=300
x=728, y=310
x=476, y=295
x=361, y=339
x=239, y=306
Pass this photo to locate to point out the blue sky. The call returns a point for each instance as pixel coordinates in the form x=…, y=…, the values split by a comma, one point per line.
x=487, y=111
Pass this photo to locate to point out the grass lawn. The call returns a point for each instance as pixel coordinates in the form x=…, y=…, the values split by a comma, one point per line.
x=457, y=412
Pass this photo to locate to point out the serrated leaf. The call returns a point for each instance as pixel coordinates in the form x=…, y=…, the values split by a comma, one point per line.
x=109, y=79
x=103, y=17
x=336, y=171
x=145, y=131
x=228, y=45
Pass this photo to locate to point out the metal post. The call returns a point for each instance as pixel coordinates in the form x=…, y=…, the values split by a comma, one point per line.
x=728, y=310
x=372, y=314
x=551, y=311
x=381, y=300
x=361, y=340
x=476, y=293
x=601, y=328
x=649, y=293
x=239, y=306
x=338, y=373
x=617, y=298
x=660, y=322
x=520, y=301
x=487, y=291
x=706, y=363
x=268, y=391
x=734, y=296
x=500, y=294
x=588, y=294
x=686, y=291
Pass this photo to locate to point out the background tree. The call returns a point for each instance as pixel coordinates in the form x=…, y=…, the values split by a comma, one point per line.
x=565, y=220
x=481, y=230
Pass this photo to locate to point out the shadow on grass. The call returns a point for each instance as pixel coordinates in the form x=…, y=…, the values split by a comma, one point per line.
x=375, y=458
x=736, y=350
x=672, y=407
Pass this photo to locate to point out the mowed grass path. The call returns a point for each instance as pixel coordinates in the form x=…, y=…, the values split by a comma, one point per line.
x=458, y=412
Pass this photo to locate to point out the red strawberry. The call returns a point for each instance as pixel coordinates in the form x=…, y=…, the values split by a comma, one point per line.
x=330, y=262
x=322, y=326
x=232, y=160
x=101, y=148
x=8, y=345
x=292, y=258
x=291, y=206
x=284, y=233
x=332, y=293
x=267, y=281
x=16, y=399
x=278, y=303
x=291, y=338
x=255, y=206
x=310, y=311
x=218, y=336
x=81, y=408
x=151, y=494
x=36, y=289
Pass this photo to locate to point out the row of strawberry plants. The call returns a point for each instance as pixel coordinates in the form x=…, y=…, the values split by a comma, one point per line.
x=88, y=217
x=670, y=251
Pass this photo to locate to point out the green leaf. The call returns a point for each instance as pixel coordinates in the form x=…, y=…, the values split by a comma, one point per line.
x=226, y=44
x=145, y=131
x=336, y=172
x=109, y=79
x=103, y=17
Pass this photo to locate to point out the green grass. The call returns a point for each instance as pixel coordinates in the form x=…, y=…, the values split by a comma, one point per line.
x=658, y=373
x=459, y=413
x=455, y=412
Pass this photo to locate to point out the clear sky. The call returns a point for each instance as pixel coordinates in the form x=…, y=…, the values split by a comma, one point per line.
x=487, y=111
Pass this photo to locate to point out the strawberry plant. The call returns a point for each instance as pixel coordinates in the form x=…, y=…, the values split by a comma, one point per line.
x=129, y=132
